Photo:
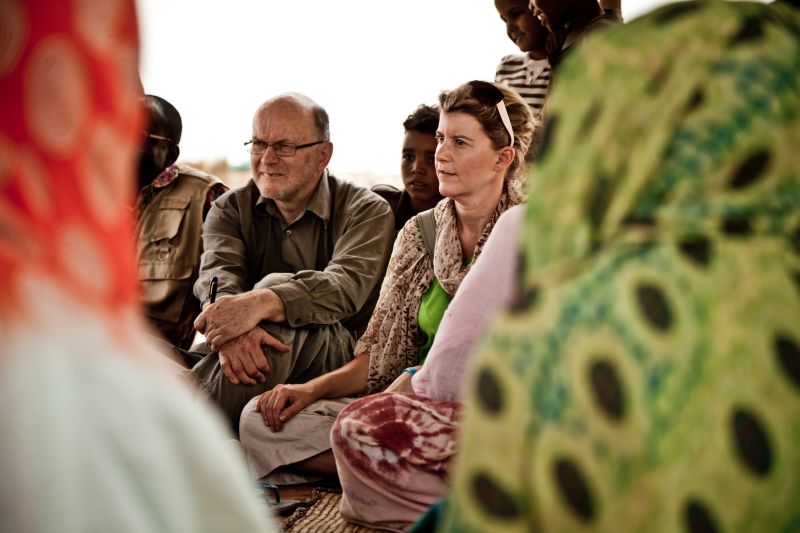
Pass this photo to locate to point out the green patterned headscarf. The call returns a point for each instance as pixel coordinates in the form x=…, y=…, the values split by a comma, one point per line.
x=648, y=378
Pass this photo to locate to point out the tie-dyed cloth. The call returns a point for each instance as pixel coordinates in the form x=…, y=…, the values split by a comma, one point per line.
x=648, y=378
x=392, y=453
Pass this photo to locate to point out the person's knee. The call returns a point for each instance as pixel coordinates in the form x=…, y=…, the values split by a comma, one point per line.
x=337, y=435
x=250, y=422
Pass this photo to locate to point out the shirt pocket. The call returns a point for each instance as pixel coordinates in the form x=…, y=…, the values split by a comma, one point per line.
x=160, y=258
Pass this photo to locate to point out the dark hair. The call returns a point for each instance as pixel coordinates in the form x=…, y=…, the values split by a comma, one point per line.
x=321, y=121
x=170, y=117
x=464, y=100
x=425, y=119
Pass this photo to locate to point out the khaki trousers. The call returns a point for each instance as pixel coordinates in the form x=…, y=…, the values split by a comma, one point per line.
x=315, y=350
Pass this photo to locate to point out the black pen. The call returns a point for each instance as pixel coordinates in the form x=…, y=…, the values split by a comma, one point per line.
x=212, y=290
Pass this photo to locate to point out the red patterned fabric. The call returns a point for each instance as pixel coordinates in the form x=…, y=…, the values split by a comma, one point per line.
x=70, y=130
x=96, y=434
x=392, y=454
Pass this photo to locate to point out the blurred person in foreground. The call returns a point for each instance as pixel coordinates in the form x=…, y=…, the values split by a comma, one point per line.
x=96, y=433
x=647, y=376
x=298, y=255
x=420, y=184
x=172, y=203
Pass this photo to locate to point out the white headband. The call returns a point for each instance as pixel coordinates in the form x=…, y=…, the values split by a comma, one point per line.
x=501, y=108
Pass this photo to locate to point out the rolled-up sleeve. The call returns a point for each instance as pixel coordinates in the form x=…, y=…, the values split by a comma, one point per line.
x=357, y=264
x=224, y=250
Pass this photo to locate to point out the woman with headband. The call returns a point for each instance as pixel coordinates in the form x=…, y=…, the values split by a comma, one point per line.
x=484, y=133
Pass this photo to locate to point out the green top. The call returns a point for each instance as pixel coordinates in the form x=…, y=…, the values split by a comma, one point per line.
x=431, y=310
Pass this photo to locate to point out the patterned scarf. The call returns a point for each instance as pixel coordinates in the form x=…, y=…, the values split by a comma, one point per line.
x=393, y=337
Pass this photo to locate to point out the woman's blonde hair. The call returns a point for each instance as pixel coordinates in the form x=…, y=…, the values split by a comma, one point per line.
x=464, y=100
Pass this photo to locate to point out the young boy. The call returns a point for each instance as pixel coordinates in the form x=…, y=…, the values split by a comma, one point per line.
x=527, y=73
x=420, y=184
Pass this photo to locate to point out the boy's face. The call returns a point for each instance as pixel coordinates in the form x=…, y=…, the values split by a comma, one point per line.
x=522, y=26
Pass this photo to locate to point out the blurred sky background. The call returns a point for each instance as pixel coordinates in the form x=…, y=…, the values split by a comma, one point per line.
x=368, y=62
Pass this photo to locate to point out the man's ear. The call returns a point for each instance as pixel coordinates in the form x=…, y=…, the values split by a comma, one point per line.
x=505, y=157
x=327, y=152
x=174, y=152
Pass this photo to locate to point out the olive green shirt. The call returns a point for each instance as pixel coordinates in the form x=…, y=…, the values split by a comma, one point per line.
x=324, y=266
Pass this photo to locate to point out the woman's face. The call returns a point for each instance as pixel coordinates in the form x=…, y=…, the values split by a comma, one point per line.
x=466, y=161
x=417, y=167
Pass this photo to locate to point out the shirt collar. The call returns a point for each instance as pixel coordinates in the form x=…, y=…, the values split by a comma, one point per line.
x=319, y=204
x=166, y=177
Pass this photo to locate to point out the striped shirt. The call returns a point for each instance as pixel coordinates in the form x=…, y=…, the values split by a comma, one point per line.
x=529, y=77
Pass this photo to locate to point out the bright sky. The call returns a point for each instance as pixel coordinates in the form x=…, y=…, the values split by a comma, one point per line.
x=368, y=62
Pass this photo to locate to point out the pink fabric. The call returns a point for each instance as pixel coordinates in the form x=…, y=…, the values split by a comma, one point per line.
x=392, y=454
x=393, y=450
x=488, y=288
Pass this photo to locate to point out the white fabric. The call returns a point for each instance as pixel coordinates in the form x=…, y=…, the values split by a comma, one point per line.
x=97, y=437
x=305, y=435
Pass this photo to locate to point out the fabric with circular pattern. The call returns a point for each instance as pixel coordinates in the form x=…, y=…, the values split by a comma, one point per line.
x=654, y=383
x=98, y=434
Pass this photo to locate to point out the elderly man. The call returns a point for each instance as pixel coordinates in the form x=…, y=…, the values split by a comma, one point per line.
x=172, y=203
x=297, y=255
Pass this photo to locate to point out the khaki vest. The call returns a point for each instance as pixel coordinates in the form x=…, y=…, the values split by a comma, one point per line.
x=169, y=246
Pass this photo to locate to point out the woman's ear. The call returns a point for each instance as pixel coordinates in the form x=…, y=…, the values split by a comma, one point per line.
x=505, y=157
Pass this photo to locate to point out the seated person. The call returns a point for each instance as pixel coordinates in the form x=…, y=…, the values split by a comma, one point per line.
x=172, y=204
x=418, y=432
x=648, y=376
x=568, y=22
x=483, y=134
x=420, y=185
x=296, y=253
x=527, y=73
x=96, y=436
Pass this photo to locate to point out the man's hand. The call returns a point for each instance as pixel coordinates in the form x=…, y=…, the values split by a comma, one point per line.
x=232, y=316
x=283, y=402
x=243, y=361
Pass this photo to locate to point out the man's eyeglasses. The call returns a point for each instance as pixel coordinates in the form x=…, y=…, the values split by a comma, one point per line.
x=256, y=147
x=489, y=95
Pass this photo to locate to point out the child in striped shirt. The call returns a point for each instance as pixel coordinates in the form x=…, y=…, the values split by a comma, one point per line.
x=527, y=73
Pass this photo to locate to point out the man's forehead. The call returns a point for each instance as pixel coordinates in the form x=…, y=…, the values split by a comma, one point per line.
x=283, y=117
